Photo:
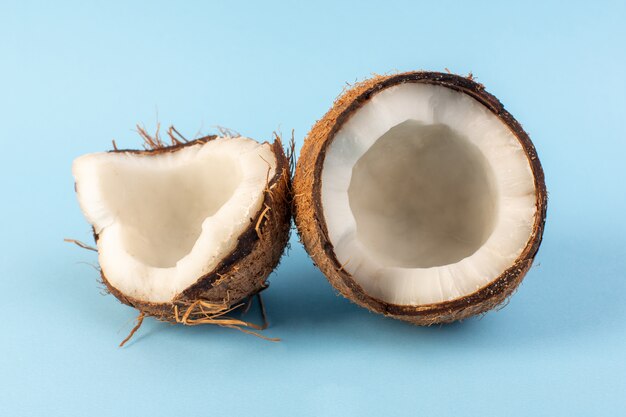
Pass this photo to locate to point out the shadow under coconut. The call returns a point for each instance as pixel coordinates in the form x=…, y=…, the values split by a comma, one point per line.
x=300, y=297
x=572, y=291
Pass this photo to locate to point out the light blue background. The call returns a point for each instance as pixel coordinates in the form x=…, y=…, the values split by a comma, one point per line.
x=74, y=76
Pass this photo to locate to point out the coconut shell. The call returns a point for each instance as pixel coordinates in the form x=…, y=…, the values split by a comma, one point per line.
x=241, y=274
x=311, y=224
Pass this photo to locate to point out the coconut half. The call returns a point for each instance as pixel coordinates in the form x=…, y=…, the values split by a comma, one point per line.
x=420, y=197
x=186, y=232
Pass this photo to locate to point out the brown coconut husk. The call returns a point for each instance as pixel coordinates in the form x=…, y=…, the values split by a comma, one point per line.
x=243, y=273
x=312, y=228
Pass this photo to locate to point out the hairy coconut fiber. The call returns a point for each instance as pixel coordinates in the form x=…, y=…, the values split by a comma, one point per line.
x=311, y=224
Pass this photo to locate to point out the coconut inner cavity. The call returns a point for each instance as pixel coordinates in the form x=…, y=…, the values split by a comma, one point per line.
x=422, y=196
x=161, y=210
x=427, y=195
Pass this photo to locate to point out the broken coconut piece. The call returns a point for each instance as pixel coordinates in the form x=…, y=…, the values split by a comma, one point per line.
x=420, y=197
x=187, y=232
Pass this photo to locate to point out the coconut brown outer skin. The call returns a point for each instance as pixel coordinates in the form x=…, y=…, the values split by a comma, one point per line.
x=244, y=271
x=311, y=223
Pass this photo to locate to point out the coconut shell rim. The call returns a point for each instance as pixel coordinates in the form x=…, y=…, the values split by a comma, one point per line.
x=505, y=282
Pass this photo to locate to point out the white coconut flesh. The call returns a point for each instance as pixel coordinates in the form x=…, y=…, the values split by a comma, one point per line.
x=427, y=195
x=165, y=220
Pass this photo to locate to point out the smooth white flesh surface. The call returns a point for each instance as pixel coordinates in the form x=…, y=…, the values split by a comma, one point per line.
x=166, y=220
x=427, y=187
x=427, y=195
